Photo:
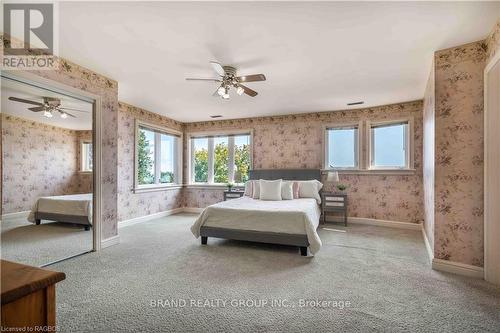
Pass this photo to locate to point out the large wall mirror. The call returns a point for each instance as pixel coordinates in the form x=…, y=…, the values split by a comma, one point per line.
x=47, y=173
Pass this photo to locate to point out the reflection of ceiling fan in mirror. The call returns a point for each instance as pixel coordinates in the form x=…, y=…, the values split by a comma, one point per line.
x=228, y=78
x=48, y=107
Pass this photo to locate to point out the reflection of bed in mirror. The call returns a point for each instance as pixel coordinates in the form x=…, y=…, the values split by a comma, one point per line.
x=74, y=208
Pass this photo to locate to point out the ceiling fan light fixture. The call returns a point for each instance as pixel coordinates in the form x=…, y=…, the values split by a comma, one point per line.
x=228, y=78
x=47, y=114
x=221, y=91
x=226, y=93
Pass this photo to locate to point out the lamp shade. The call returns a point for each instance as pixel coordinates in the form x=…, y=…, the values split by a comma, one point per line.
x=332, y=177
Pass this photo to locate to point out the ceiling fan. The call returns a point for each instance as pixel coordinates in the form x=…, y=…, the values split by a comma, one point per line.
x=228, y=78
x=49, y=106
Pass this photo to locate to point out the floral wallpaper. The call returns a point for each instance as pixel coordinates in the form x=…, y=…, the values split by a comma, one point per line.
x=130, y=204
x=78, y=77
x=38, y=160
x=295, y=141
x=429, y=124
x=459, y=135
x=458, y=216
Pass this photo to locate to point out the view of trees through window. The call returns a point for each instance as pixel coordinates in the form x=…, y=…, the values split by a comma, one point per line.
x=241, y=158
x=145, y=169
x=221, y=159
x=147, y=143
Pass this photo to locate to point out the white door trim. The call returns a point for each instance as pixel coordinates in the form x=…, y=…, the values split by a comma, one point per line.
x=491, y=227
x=31, y=78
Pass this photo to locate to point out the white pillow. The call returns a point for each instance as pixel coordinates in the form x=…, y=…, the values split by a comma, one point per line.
x=255, y=189
x=270, y=189
x=248, y=188
x=310, y=189
x=287, y=190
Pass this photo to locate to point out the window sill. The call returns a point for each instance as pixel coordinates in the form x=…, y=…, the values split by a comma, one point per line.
x=212, y=186
x=85, y=172
x=156, y=188
x=373, y=171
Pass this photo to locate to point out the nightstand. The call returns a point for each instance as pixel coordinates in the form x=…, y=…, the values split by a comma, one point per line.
x=334, y=202
x=228, y=195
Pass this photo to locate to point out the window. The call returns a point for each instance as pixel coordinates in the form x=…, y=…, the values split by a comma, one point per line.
x=390, y=146
x=341, y=148
x=241, y=158
x=219, y=159
x=370, y=147
x=200, y=158
x=158, y=156
x=86, y=156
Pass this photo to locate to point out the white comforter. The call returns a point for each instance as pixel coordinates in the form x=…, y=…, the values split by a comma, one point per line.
x=73, y=204
x=298, y=216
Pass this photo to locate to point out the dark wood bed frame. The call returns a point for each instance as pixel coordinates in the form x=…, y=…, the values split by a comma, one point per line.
x=260, y=236
x=76, y=219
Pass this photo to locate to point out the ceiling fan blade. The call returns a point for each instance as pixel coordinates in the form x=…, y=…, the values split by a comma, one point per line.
x=64, y=112
x=218, y=68
x=195, y=79
x=72, y=109
x=37, y=109
x=248, y=91
x=251, y=78
x=15, y=99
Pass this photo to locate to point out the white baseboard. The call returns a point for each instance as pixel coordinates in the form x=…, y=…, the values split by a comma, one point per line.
x=110, y=241
x=451, y=266
x=17, y=214
x=457, y=268
x=384, y=223
x=192, y=210
x=428, y=246
x=126, y=223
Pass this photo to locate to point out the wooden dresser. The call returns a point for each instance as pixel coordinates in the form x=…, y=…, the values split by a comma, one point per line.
x=28, y=297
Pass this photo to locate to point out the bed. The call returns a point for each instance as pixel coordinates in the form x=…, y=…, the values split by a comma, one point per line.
x=74, y=208
x=287, y=222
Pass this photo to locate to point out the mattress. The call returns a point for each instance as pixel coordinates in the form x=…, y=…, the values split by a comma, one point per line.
x=71, y=205
x=298, y=216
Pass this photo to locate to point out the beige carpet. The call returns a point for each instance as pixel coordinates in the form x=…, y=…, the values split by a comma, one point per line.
x=37, y=245
x=384, y=274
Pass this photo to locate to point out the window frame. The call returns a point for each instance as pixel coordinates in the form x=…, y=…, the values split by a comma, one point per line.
x=210, y=136
x=177, y=173
x=409, y=140
x=82, y=158
x=357, y=145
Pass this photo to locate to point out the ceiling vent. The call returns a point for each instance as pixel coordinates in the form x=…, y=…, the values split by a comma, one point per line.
x=216, y=116
x=355, y=103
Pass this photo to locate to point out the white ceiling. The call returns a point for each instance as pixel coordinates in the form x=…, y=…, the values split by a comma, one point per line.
x=83, y=120
x=316, y=56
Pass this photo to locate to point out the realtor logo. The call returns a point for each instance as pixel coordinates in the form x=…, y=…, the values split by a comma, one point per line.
x=28, y=40
x=29, y=27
